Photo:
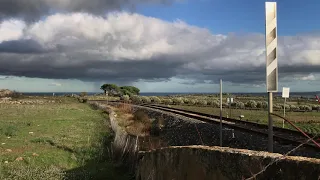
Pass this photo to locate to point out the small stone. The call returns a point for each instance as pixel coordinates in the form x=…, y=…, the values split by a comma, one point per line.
x=8, y=150
x=30, y=132
x=3, y=143
x=19, y=159
x=8, y=137
x=35, y=154
x=6, y=162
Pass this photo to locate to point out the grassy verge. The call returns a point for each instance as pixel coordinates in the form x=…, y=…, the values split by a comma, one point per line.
x=308, y=121
x=61, y=140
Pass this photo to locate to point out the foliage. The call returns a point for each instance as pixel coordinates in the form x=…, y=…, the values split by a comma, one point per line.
x=131, y=89
x=125, y=98
x=240, y=105
x=125, y=92
x=202, y=102
x=155, y=99
x=145, y=99
x=110, y=89
x=136, y=99
x=192, y=102
x=251, y=104
x=167, y=101
x=178, y=100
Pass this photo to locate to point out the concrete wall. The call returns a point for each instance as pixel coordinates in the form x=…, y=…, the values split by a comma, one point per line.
x=202, y=162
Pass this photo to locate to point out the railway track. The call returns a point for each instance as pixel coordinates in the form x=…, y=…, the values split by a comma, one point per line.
x=280, y=134
x=285, y=136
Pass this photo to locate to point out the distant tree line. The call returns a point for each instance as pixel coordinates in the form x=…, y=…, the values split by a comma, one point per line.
x=114, y=90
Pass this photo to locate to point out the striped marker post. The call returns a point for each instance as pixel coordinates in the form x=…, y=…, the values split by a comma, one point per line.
x=271, y=63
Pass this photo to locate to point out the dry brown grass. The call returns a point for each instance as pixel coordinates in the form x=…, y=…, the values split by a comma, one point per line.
x=136, y=123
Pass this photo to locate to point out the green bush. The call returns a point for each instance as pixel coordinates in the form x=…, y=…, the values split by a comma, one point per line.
x=167, y=101
x=251, y=104
x=178, y=101
x=240, y=105
x=186, y=100
x=125, y=98
x=145, y=99
x=202, y=102
x=155, y=99
x=136, y=99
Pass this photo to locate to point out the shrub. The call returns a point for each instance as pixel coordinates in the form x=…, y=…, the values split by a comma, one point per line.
x=305, y=107
x=216, y=103
x=259, y=104
x=315, y=107
x=155, y=99
x=186, y=100
x=167, y=101
x=145, y=99
x=177, y=101
x=240, y=105
x=192, y=102
x=285, y=105
x=293, y=107
x=264, y=104
x=202, y=102
x=136, y=99
x=277, y=106
x=251, y=104
x=141, y=116
x=83, y=94
x=125, y=98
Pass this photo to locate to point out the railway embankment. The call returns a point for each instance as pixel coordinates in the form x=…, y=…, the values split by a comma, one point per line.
x=182, y=131
x=202, y=161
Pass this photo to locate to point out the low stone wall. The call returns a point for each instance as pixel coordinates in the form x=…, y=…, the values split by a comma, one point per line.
x=203, y=162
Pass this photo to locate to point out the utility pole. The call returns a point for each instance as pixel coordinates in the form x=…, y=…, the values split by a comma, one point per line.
x=271, y=63
x=221, y=112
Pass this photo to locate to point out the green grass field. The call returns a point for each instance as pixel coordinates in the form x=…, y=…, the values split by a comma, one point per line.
x=61, y=140
x=308, y=121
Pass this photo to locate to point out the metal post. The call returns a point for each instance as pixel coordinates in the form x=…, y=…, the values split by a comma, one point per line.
x=220, y=112
x=271, y=63
x=284, y=111
x=270, y=123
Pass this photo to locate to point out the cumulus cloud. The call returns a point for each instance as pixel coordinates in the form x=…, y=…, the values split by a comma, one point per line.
x=126, y=47
x=31, y=10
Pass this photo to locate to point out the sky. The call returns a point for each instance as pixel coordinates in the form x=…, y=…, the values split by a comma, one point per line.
x=155, y=45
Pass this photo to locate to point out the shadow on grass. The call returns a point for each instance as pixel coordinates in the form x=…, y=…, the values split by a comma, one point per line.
x=100, y=165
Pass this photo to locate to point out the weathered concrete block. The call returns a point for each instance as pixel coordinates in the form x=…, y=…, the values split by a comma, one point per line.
x=203, y=162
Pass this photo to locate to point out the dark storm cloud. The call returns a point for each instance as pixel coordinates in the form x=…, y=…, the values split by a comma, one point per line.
x=125, y=48
x=128, y=71
x=32, y=10
x=21, y=46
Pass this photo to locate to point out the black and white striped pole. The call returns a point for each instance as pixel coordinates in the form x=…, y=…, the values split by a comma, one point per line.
x=271, y=63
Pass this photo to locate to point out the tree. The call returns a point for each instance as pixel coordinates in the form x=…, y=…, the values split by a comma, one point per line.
x=131, y=89
x=110, y=88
